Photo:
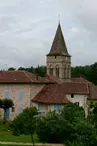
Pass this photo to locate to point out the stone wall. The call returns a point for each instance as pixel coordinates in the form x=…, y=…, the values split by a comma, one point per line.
x=61, y=62
x=20, y=94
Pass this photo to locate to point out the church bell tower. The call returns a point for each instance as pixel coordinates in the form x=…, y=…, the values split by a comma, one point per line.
x=58, y=59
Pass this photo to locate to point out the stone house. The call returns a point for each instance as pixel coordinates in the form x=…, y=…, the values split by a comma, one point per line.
x=54, y=96
x=21, y=87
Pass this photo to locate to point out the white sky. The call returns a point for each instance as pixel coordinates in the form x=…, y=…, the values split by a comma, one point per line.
x=27, y=29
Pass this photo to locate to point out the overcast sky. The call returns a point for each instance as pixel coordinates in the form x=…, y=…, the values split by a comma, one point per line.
x=27, y=29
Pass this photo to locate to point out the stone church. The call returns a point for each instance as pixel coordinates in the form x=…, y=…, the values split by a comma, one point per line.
x=51, y=92
x=58, y=59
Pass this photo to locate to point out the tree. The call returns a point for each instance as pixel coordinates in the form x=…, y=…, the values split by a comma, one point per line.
x=49, y=128
x=72, y=112
x=60, y=128
x=85, y=134
x=6, y=104
x=25, y=123
x=78, y=130
x=11, y=69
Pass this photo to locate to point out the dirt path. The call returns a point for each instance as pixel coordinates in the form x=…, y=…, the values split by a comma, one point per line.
x=38, y=144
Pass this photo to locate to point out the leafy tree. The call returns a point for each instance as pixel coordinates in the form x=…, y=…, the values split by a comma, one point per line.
x=72, y=112
x=60, y=128
x=6, y=104
x=49, y=128
x=93, y=114
x=85, y=134
x=39, y=70
x=71, y=115
x=12, y=69
x=25, y=123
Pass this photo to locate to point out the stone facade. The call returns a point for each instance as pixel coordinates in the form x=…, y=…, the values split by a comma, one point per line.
x=59, y=66
x=21, y=95
x=58, y=59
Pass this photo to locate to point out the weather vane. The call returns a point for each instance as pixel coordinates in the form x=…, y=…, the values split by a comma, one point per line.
x=59, y=18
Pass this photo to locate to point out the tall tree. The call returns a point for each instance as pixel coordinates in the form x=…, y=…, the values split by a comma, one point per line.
x=25, y=123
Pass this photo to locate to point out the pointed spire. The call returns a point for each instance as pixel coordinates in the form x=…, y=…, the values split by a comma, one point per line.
x=59, y=45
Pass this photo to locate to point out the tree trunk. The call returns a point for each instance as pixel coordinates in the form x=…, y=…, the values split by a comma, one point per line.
x=4, y=115
x=32, y=139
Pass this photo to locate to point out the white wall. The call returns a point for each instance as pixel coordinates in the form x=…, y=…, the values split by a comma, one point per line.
x=82, y=99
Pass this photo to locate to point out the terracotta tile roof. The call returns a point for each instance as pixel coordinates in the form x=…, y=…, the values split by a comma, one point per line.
x=20, y=77
x=56, y=93
x=76, y=88
x=48, y=95
x=81, y=80
x=54, y=79
x=93, y=92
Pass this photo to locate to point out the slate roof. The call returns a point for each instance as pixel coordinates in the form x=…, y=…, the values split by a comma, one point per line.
x=58, y=46
x=21, y=77
x=56, y=93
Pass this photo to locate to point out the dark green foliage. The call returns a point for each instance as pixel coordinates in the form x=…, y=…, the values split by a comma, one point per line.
x=49, y=128
x=72, y=112
x=39, y=70
x=6, y=104
x=85, y=135
x=25, y=123
x=69, y=127
x=57, y=128
x=88, y=72
x=12, y=69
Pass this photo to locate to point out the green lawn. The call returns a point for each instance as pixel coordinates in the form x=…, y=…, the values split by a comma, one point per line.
x=13, y=145
x=7, y=136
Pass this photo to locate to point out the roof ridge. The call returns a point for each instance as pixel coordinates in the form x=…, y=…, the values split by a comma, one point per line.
x=53, y=90
x=27, y=76
x=40, y=91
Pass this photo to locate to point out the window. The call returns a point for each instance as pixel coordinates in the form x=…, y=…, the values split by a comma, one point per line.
x=57, y=71
x=20, y=110
x=57, y=107
x=13, y=109
x=72, y=95
x=39, y=106
x=6, y=94
x=51, y=70
x=77, y=103
x=20, y=95
x=7, y=114
x=55, y=57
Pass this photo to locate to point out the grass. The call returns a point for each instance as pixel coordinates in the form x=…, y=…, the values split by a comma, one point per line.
x=12, y=145
x=6, y=136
